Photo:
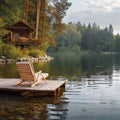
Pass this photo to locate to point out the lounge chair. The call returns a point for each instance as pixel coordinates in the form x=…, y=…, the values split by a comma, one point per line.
x=28, y=76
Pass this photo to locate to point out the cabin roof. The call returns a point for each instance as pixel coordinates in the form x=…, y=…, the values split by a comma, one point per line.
x=20, y=25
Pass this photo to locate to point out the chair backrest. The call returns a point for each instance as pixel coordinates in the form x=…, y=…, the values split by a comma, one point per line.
x=26, y=71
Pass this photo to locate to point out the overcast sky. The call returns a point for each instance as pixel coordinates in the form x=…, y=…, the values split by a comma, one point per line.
x=102, y=12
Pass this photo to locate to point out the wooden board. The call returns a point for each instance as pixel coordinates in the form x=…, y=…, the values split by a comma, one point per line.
x=51, y=87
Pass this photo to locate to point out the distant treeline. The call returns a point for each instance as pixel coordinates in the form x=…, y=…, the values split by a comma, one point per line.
x=79, y=37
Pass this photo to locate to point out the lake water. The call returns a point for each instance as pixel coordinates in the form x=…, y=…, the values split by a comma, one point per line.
x=92, y=90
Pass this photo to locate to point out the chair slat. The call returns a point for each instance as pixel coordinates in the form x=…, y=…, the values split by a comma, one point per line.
x=27, y=73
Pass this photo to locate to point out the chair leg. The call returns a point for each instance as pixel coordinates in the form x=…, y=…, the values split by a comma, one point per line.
x=20, y=83
x=45, y=80
x=35, y=83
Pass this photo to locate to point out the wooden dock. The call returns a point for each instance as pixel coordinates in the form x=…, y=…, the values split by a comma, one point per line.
x=52, y=88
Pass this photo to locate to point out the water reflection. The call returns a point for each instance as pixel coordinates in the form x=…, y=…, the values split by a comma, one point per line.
x=17, y=108
x=94, y=98
x=57, y=111
x=73, y=67
x=92, y=90
x=8, y=70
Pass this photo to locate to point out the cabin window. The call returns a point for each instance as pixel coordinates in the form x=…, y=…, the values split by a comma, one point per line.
x=16, y=37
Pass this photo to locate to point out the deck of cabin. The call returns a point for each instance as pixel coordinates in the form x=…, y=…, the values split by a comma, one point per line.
x=52, y=88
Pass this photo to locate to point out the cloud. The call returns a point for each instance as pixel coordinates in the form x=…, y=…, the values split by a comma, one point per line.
x=102, y=12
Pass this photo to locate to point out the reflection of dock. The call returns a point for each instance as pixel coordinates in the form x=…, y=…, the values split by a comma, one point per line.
x=99, y=79
x=52, y=88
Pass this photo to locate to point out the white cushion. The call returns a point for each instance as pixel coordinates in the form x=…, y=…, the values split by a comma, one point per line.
x=41, y=75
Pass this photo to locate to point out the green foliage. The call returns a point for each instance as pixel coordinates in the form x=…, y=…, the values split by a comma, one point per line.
x=1, y=44
x=68, y=39
x=44, y=46
x=3, y=31
x=64, y=49
x=36, y=53
x=78, y=37
x=10, y=51
x=25, y=52
x=11, y=10
x=50, y=22
x=75, y=37
x=76, y=48
x=51, y=18
x=117, y=43
x=57, y=10
x=14, y=10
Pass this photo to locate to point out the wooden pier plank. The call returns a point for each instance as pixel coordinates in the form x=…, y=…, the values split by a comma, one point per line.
x=51, y=87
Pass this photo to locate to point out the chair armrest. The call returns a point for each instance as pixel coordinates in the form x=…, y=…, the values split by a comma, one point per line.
x=39, y=72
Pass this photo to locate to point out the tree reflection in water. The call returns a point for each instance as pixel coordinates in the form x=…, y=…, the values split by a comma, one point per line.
x=19, y=108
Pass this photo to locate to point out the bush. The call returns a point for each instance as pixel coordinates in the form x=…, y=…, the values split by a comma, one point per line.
x=10, y=51
x=1, y=44
x=64, y=49
x=44, y=46
x=25, y=52
x=15, y=53
x=36, y=53
x=76, y=49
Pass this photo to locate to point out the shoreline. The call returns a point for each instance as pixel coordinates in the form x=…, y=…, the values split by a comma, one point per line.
x=41, y=58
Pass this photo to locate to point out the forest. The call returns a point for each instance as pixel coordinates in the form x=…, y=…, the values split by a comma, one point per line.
x=45, y=16
x=79, y=37
x=55, y=36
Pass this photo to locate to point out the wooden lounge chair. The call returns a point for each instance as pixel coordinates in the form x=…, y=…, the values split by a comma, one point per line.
x=28, y=76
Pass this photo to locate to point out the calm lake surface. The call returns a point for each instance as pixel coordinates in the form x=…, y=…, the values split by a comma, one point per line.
x=92, y=90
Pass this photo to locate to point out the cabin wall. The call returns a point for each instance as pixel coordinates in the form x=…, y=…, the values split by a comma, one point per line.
x=20, y=32
x=20, y=36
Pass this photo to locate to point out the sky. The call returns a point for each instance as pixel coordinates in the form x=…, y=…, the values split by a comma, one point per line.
x=102, y=12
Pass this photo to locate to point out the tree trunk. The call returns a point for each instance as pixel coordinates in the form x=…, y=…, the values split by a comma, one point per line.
x=43, y=26
x=25, y=2
x=37, y=18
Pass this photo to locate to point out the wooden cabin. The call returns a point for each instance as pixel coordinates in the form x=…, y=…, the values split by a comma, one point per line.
x=20, y=32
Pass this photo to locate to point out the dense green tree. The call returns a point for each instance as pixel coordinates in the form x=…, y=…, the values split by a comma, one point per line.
x=87, y=38
x=81, y=27
x=3, y=32
x=49, y=16
x=111, y=38
x=69, y=40
x=97, y=39
x=117, y=43
x=11, y=10
x=73, y=37
x=78, y=37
